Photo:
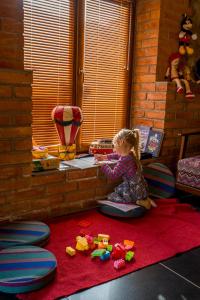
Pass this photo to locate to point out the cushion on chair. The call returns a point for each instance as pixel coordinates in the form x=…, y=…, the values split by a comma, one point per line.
x=23, y=233
x=25, y=268
x=188, y=171
x=161, y=181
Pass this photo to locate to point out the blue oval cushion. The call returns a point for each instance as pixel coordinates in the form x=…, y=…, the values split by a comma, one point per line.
x=136, y=212
x=23, y=233
x=160, y=179
x=25, y=268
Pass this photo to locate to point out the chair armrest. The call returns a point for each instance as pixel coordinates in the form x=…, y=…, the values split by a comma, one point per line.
x=184, y=140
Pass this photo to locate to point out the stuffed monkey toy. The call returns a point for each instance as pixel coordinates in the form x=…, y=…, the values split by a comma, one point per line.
x=175, y=72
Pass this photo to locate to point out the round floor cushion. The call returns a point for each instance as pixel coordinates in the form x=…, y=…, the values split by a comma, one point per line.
x=25, y=268
x=160, y=179
x=135, y=212
x=23, y=233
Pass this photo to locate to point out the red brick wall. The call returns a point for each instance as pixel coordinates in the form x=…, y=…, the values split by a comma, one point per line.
x=11, y=38
x=154, y=103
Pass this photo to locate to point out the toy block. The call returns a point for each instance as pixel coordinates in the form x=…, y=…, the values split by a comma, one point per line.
x=98, y=252
x=128, y=244
x=119, y=264
x=70, y=251
x=129, y=255
x=102, y=236
x=105, y=256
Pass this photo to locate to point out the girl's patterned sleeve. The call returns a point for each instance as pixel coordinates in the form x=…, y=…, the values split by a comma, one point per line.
x=113, y=156
x=116, y=172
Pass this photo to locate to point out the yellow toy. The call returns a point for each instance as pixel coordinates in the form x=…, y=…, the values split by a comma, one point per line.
x=81, y=243
x=70, y=251
x=104, y=237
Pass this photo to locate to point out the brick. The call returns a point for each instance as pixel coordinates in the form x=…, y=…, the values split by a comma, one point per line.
x=161, y=86
x=145, y=104
x=25, y=144
x=40, y=178
x=5, y=91
x=145, y=78
x=91, y=182
x=5, y=146
x=15, y=132
x=140, y=95
x=6, y=105
x=28, y=195
x=76, y=174
x=141, y=69
x=15, y=77
x=22, y=119
x=23, y=91
x=138, y=113
x=160, y=105
x=152, y=60
x=153, y=42
x=15, y=184
x=155, y=114
x=9, y=172
x=142, y=121
x=159, y=124
x=58, y=188
x=156, y=96
x=12, y=25
x=80, y=195
x=15, y=158
x=5, y=119
x=148, y=87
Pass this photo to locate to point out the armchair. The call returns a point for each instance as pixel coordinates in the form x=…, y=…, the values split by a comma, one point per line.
x=188, y=169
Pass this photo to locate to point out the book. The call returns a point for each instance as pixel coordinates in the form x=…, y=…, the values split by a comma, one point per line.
x=150, y=140
x=121, y=206
x=144, y=134
x=154, y=142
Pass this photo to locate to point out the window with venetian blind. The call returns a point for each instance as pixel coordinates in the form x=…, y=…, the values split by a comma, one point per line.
x=101, y=34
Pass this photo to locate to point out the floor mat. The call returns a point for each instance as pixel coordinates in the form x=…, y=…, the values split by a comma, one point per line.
x=163, y=232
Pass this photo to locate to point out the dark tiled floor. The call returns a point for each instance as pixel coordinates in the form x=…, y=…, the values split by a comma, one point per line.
x=177, y=278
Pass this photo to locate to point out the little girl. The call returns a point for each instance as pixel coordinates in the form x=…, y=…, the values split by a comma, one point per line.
x=133, y=189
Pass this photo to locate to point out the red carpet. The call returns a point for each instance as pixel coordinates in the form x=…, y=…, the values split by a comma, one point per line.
x=169, y=229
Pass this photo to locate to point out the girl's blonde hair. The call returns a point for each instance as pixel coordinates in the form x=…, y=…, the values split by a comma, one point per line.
x=132, y=138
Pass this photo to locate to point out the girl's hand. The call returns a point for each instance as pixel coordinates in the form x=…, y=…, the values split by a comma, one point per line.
x=100, y=157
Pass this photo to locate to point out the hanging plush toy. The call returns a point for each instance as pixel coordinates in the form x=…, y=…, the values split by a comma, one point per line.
x=176, y=71
x=185, y=36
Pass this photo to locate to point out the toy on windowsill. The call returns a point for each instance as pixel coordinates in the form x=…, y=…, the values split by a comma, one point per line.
x=176, y=73
x=185, y=36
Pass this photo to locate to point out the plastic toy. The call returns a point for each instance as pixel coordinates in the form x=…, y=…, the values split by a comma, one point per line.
x=105, y=256
x=109, y=248
x=102, y=236
x=129, y=255
x=119, y=264
x=70, y=251
x=186, y=35
x=82, y=243
x=118, y=251
x=128, y=244
x=98, y=252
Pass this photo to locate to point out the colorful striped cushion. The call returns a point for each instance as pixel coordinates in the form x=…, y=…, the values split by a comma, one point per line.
x=25, y=268
x=160, y=180
x=23, y=233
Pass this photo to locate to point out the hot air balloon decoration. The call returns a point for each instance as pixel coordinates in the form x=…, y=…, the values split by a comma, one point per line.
x=67, y=120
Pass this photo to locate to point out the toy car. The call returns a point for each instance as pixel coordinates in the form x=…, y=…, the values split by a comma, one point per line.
x=101, y=146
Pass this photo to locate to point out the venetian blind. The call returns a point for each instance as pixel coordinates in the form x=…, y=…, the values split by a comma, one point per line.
x=48, y=51
x=104, y=71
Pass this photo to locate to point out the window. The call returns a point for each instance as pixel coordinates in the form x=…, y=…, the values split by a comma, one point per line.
x=79, y=52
